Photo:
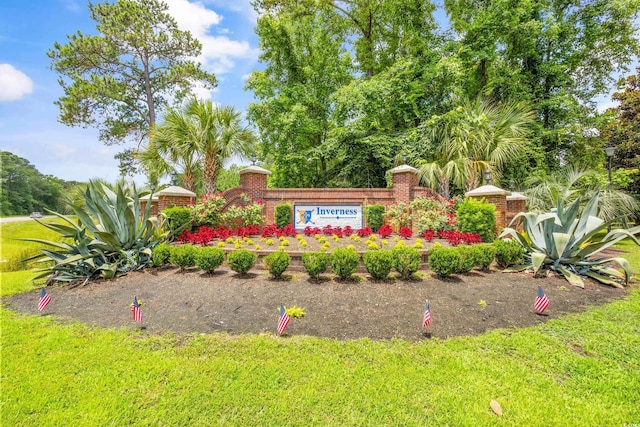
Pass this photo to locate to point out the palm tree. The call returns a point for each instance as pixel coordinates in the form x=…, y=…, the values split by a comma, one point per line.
x=574, y=182
x=202, y=134
x=476, y=136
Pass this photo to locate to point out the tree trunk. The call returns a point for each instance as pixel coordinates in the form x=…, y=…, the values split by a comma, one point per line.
x=189, y=181
x=210, y=173
x=443, y=185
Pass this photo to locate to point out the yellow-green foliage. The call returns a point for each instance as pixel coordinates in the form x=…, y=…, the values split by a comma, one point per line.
x=295, y=312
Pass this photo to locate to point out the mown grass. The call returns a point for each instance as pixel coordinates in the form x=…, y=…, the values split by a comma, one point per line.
x=583, y=369
x=580, y=370
x=13, y=251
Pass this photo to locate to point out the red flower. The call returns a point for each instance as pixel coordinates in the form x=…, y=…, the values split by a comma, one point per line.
x=364, y=232
x=385, y=231
x=406, y=232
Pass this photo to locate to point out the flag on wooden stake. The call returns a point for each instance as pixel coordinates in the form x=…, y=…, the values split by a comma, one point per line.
x=135, y=309
x=426, y=320
x=542, y=302
x=44, y=300
x=283, y=320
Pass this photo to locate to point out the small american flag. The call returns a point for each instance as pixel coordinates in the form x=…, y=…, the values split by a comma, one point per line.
x=426, y=320
x=283, y=320
x=542, y=302
x=44, y=300
x=135, y=309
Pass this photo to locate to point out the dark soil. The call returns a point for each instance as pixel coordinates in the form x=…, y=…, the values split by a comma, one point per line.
x=191, y=301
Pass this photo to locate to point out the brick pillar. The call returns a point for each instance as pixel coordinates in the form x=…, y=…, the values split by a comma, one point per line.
x=496, y=196
x=404, y=178
x=253, y=181
x=516, y=203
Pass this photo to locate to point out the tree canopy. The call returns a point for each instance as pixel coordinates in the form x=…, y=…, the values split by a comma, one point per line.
x=120, y=79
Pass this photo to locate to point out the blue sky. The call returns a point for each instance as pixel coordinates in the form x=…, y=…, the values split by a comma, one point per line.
x=29, y=124
x=28, y=88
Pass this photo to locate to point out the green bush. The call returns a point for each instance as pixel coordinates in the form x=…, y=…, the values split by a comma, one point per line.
x=467, y=258
x=508, y=252
x=241, y=260
x=444, y=261
x=429, y=214
x=344, y=262
x=178, y=219
x=183, y=256
x=406, y=260
x=208, y=258
x=315, y=263
x=160, y=255
x=378, y=263
x=283, y=215
x=484, y=255
x=476, y=216
x=277, y=263
x=375, y=217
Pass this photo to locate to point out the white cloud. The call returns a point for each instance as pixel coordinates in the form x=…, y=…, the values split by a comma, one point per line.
x=219, y=53
x=14, y=84
x=72, y=5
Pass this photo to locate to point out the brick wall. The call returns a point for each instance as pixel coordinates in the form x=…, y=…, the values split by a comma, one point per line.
x=500, y=202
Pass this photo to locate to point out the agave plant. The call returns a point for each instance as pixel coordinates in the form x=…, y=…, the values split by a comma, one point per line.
x=566, y=241
x=111, y=236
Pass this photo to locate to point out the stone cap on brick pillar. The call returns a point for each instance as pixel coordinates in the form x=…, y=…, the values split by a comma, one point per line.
x=486, y=190
x=175, y=191
x=255, y=169
x=405, y=169
x=516, y=196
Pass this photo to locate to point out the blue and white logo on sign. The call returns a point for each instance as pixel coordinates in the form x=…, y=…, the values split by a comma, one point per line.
x=305, y=216
x=323, y=215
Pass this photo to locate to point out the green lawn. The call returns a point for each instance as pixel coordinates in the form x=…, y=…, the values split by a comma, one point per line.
x=583, y=369
x=13, y=251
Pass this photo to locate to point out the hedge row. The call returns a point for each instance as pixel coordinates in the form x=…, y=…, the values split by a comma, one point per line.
x=345, y=261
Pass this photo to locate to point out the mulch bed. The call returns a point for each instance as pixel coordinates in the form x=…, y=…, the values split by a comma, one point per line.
x=194, y=302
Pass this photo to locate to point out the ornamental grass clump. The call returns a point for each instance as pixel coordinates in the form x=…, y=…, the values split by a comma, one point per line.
x=344, y=262
x=378, y=263
x=567, y=240
x=241, y=260
x=315, y=263
x=209, y=258
x=277, y=263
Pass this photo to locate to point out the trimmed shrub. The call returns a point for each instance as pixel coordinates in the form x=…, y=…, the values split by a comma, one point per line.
x=315, y=263
x=283, y=215
x=467, y=259
x=444, y=261
x=344, y=262
x=379, y=263
x=208, y=258
x=241, y=260
x=476, y=216
x=375, y=216
x=406, y=260
x=161, y=254
x=508, y=252
x=277, y=263
x=178, y=219
x=182, y=256
x=484, y=255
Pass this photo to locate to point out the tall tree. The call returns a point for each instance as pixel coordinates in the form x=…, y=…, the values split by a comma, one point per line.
x=624, y=132
x=557, y=55
x=476, y=136
x=202, y=133
x=306, y=63
x=120, y=79
x=24, y=189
